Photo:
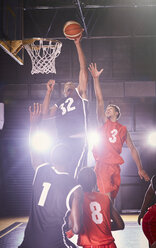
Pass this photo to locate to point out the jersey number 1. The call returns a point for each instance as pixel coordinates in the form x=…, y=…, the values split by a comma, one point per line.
x=46, y=187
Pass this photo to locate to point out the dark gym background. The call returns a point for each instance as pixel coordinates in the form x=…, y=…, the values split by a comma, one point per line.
x=120, y=36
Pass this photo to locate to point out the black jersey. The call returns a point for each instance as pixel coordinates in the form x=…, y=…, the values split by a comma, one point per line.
x=71, y=116
x=51, y=193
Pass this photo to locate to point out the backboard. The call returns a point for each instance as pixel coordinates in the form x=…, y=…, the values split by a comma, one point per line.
x=11, y=28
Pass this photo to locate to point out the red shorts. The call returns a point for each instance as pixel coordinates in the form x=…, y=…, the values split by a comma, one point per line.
x=112, y=245
x=149, y=224
x=108, y=178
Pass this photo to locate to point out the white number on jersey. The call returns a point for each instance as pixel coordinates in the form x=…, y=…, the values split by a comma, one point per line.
x=97, y=216
x=46, y=187
x=113, y=138
x=69, y=107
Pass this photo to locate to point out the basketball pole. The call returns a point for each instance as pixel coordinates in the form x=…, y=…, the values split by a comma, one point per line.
x=22, y=31
x=82, y=17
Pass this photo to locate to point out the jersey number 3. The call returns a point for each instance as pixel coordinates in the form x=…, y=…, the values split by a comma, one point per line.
x=46, y=187
x=113, y=138
x=69, y=106
x=97, y=216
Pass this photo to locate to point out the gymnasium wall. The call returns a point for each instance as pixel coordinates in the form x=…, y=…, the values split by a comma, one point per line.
x=129, y=80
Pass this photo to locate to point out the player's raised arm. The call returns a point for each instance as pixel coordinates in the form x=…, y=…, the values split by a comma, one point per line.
x=83, y=74
x=98, y=93
x=35, y=118
x=46, y=111
x=135, y=155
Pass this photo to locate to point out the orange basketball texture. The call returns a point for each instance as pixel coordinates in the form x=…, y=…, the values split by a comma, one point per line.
x=72, y=30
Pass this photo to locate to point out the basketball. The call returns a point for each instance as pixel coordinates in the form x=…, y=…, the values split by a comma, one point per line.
x=72, y=30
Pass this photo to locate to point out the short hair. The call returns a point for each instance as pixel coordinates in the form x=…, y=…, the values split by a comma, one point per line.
x=117, y=109
x=87, y=179
x=60, y=155
x=70, y=83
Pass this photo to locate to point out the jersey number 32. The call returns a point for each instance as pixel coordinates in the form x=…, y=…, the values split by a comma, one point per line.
x=69, y=106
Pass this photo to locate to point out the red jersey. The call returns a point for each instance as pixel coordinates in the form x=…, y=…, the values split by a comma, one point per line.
x=113, y=135
x=96, y=220
x=149, y=223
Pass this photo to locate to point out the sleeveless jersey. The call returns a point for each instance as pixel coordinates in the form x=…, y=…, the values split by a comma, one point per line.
x=112, y=135
x=50, y=191
x=71, y=115
x=96, y=220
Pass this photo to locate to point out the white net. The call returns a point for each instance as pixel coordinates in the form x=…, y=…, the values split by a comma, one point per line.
x=43, y=54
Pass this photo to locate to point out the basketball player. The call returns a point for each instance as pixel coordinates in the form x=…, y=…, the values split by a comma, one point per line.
x=113, y=135
x=97, y=226
x=148, y=214
x=54, y=193
x=70, y=112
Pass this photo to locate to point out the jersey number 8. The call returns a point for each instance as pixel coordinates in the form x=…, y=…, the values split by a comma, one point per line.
x=97, y=216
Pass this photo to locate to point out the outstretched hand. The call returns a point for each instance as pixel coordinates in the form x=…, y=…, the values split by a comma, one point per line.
x=94, y=71
x=50, y=85
x=35, y=115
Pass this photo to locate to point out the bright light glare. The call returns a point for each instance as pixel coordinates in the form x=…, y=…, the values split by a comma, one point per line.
x=93, y=139
x=40, y=141
x=152, y=139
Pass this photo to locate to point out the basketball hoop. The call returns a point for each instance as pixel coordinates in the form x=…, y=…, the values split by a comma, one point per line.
x=43, y=52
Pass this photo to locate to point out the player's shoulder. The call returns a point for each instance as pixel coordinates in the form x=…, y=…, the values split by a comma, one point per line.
x=80, y=95
x=42, y=171
x=102, y=196
x=61, y=174
x=104, y=124
x=43, y=167
x=121, y=127
x=97, y=196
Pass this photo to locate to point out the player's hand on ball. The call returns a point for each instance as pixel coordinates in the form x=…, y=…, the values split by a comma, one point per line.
x=77, y=40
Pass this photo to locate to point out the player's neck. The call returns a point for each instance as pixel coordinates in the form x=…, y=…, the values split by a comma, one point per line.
x=113, y=119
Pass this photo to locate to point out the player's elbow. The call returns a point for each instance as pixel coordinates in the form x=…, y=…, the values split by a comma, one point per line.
x=77, y=225
x=76, y=228
x=122, y=226
x=117, y=224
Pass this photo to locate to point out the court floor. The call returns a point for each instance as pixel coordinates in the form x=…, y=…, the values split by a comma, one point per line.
x=12, y=231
